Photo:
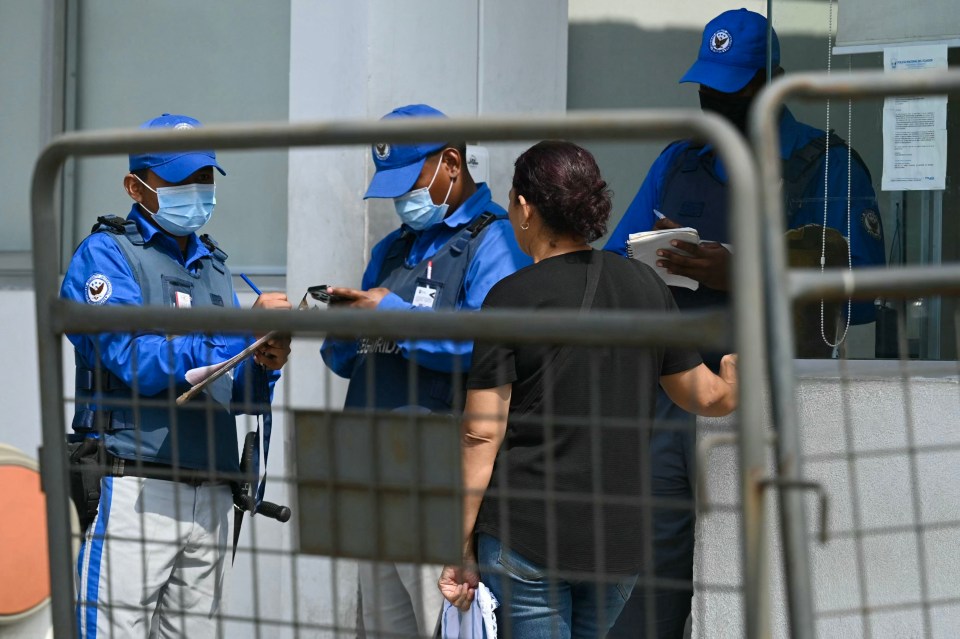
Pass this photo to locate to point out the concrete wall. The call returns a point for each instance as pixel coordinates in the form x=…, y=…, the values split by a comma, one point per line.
x=893, y=517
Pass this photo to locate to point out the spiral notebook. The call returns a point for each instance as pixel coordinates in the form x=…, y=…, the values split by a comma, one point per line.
x=643, y=247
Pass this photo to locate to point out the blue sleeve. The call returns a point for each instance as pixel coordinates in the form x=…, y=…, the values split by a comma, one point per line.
x=497, y=256
x=866, y=229
x=639, y=215
x=150, y=363
x=339, y=354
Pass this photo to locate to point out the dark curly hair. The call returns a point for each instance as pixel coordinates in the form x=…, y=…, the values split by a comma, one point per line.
x=563, y=181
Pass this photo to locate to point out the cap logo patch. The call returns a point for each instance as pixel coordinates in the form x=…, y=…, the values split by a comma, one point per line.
x=382, y=151
x=98, y=288
x=183, y=125
x=720, y=41
x=871, y=223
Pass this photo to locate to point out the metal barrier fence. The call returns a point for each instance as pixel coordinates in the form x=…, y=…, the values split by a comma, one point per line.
x=796, y=441
x=322, y=438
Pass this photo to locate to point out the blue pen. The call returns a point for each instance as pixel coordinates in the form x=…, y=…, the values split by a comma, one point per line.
x=251, y=284
x=659, y=215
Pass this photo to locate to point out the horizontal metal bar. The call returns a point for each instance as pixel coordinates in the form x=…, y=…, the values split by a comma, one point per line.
x=599, y=125
x=869, y=283
x=618, y=126
x=706, y=329
x=862, y=84
x=865, y=611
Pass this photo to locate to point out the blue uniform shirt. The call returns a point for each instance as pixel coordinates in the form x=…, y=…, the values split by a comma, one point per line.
x=149, y=363
x=866, y=238
x=496, y=257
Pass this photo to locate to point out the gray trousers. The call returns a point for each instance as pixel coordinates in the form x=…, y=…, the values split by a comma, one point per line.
x=399, y=600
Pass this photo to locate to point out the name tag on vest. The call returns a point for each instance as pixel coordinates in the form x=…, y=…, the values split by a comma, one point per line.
x=426, y=294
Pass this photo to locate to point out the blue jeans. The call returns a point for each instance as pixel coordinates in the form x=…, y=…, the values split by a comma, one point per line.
x=535, y=606
x=660, y=611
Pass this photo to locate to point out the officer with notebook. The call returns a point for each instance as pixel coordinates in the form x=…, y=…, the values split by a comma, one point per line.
x=688, y=185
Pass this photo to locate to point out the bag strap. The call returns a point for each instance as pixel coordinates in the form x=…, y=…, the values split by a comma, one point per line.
x=562, y=354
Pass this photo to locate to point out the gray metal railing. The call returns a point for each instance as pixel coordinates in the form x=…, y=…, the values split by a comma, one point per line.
x=56, y=317
x=783, y=287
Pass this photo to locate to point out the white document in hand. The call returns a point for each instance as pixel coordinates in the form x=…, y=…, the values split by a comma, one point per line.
x=644, y=246
x=196, y=375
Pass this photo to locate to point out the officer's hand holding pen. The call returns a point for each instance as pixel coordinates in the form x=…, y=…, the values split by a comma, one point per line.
x=273, y=353
x=707, y=262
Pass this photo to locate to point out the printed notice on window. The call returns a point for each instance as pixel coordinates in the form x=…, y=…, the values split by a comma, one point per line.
x=914, y=127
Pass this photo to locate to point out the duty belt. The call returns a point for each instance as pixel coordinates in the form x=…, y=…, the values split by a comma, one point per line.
x=117, y=467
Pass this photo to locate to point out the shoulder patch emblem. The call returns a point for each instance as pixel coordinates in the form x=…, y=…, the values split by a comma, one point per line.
x=720, y=41
x=382, y=151
x=871, y=222
x=98, y=288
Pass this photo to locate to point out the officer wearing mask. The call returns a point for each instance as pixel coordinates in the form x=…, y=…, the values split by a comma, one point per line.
x=454, y=243
x=152, y=560
x=687, y=186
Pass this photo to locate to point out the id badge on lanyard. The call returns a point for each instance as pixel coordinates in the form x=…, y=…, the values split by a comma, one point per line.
x=428, y=290
x=427, y=293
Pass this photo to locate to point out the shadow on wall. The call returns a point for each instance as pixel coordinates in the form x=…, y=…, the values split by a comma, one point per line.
x=621, y=66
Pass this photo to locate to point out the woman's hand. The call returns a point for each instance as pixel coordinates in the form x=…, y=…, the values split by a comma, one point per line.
x=458, y=584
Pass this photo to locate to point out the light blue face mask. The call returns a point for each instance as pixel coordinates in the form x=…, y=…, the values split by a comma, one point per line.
x=416, y=208
x=183, y=209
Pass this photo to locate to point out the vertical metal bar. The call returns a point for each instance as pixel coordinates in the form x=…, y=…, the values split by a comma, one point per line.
x=931, y=252
x=68, y=122
x=53, y=452
x=765, y=134
x=769, y=41
x=748, y=296
x=52, y=81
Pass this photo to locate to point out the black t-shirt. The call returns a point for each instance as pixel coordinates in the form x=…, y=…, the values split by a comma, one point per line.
x=556, y=497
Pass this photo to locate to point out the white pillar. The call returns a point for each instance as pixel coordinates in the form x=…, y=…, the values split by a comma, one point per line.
x=360, y=59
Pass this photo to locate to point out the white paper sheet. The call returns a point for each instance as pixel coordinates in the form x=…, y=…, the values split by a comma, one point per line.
x=914, y=127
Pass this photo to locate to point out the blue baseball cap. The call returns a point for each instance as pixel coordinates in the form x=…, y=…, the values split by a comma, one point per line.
x=399, y=165
x=174, y=166
x=733, y=49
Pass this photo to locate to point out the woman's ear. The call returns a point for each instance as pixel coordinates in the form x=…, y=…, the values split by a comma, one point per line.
x=526, y=209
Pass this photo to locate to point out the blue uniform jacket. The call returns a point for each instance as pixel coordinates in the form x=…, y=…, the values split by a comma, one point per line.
x=866, y=248
x=497, y=256
x=151, y=359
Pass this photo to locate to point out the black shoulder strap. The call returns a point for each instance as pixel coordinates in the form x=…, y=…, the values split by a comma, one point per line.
x=214, y=248
x=472, y=230
x=482, y=221
x=119, y=226
x=562, y=354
